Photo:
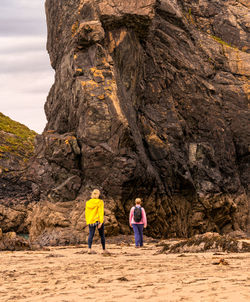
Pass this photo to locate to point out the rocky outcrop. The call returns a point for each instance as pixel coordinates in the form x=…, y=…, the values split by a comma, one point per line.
x=16, y=202
x=208, y=242
x=63, y=223
x=11, y=219
x=150, y=99
x=16, y=194
x=11, y=242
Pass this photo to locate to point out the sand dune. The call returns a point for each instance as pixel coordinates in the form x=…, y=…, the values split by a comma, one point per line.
x=69, y=274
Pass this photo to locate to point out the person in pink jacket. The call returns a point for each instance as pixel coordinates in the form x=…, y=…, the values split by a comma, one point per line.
x=138, y=221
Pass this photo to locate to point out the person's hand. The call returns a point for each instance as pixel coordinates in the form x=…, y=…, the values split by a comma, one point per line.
x=131, y=225
x=99, y=225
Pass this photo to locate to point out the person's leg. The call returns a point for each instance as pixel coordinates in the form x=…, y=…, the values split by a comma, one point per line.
x=140, y=229
x=101, y=233
x=137, y=236
x=91, y=236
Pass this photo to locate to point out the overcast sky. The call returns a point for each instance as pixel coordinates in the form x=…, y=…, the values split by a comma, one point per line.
x=25, y=72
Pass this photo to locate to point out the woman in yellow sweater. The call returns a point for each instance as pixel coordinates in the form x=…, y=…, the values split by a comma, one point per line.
x=94, y=214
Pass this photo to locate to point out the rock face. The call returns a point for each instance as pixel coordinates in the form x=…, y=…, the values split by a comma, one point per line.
x=63, y=223
x=11, y=242
x=16, y=148
x=150, y=100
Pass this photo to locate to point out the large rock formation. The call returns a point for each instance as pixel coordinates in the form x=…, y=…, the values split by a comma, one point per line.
x=150, y=99
x=16, y=148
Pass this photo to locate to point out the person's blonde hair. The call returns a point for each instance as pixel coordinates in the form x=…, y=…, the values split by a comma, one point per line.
x=95, y=194
x=138, y=201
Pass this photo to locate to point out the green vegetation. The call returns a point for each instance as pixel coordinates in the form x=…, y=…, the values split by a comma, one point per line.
x=8, y=125
x=223, y=42
x=16, y=140
x=189, y=17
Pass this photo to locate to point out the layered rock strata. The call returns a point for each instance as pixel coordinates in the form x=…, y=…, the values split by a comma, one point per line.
x=150, y=99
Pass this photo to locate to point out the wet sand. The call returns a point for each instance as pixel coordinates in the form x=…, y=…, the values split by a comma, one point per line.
x=69, y=274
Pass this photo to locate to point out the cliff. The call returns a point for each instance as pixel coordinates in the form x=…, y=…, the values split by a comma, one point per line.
x=150, y=100
x=16, y=149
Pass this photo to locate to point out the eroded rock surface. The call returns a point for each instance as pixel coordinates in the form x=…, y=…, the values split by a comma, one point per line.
x=63, y=223
x=150, y=99
x=11, y=242
x=208, y=242
x=16, y=194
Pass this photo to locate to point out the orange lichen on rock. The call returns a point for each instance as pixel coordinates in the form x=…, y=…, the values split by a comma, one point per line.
x=101, y=97
x=97, y=73
x=74, y=28
x=89, y=84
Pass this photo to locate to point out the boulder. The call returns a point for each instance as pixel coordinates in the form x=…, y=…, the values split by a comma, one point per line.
x=11, y=242
x=14, y=217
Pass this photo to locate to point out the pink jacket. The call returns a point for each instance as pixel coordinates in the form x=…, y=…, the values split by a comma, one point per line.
x=143, y=220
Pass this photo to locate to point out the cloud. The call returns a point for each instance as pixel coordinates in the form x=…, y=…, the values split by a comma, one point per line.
x=22, y=83
x=32, y=117
x=22, y=44
x=15, y=27
x=23, y=95
x=23, y=98
x=25, y=72
x=24, y=54
x=18, y=17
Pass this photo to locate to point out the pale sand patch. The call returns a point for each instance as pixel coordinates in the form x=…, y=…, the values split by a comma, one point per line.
x=71, y=275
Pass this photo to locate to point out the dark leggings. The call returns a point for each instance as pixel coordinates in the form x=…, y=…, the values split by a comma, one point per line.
x=92, y=233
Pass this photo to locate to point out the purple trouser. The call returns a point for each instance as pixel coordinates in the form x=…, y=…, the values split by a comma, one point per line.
x=138, y=230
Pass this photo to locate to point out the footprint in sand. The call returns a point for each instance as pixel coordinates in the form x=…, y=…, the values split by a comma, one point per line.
x=101, y=280
x=54, y=256
x=91, y=286
x=122, y=279
x=82, y=252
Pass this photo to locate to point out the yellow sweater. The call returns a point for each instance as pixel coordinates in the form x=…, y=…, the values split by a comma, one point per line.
x=94, y=211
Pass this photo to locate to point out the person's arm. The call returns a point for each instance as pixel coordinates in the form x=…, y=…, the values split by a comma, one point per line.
x=144, y=218
x=86, y=213
x=131, y=216
x=101, y=212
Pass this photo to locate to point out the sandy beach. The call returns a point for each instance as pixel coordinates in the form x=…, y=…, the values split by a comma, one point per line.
x=69, y=274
